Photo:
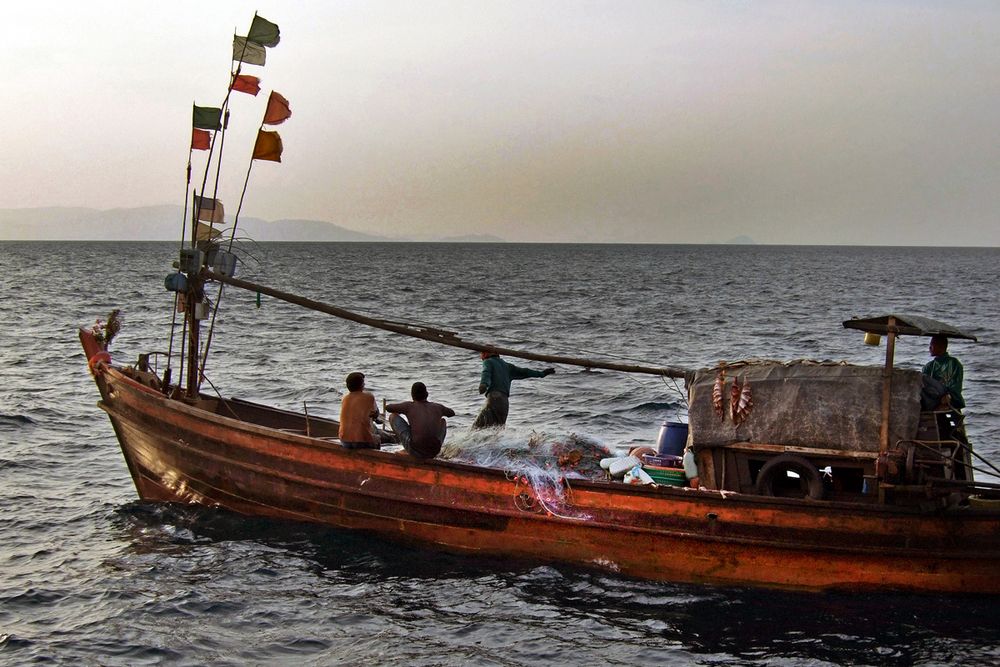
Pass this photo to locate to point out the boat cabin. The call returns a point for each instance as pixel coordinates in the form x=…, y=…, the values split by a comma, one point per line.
x=833, y=431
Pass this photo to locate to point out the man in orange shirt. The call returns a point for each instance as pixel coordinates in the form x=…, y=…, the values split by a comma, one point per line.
x=357, y=410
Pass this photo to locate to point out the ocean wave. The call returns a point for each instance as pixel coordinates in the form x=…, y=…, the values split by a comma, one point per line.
x=16, y=420
x=655, y=406
x=10, y=643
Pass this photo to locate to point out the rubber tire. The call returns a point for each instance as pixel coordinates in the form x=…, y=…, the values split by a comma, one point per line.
x=808, y=474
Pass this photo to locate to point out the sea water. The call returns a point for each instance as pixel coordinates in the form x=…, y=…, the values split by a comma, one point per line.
x=91, y=576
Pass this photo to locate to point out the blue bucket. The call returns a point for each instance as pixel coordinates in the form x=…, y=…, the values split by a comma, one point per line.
x=672, y=439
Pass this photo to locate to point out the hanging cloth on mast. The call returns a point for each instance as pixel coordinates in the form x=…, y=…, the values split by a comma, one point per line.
x=209, y=210
x=268, y=146
x=207, y=118
x=278, y=110
x=264, y=32
x=201, y=140
x=246, y=83
x=248, y=52
x=206, y=233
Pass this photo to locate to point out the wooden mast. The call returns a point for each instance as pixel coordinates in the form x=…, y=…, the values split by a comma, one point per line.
x=890, y=349
x=193, y=297
x=442, y=337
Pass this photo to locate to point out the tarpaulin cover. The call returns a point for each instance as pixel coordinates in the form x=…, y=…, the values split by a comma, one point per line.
x=806, y=404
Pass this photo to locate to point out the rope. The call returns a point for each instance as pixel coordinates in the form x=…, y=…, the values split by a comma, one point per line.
x=963, y=446
x=526, y=503
x=223, y=400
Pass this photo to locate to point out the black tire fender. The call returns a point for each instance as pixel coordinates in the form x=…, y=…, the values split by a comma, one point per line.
x=807, y=472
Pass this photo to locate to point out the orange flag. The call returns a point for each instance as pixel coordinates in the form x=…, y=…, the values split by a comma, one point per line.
x=201, y=140
x=278, y=110
x=267, y=147
x=246, y=83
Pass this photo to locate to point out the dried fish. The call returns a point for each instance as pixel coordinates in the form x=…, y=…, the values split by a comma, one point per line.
x=734, y=398
x=744, y=404
x=718, y=391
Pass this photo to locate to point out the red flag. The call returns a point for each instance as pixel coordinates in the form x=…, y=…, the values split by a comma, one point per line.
x=201, y=140
x=268, y=146
x=278, y=110
x=246, y=83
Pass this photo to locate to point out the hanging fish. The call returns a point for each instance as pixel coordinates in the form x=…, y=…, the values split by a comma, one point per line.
x=718, y=391
x=734, y=398
x=744, y=404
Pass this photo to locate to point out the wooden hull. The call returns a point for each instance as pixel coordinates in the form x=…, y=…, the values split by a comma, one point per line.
x=184, y=453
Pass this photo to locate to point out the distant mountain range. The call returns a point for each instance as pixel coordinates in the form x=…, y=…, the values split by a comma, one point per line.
x=163, y=223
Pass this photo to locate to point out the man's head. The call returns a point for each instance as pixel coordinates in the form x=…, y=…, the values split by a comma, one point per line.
x=355, y=381
x=418, y=391
x=939, y=345
x=484, y=355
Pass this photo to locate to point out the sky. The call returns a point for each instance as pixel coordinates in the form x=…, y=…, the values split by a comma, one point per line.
x=872, y=123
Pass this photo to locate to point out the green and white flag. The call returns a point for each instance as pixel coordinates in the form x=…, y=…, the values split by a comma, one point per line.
x=248, y=52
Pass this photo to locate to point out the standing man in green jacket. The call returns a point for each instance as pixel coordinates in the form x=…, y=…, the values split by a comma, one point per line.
x=495, y=383
x=947, y=370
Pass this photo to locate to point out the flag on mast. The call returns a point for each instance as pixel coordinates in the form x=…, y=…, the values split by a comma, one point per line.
x=201, y=140
x=246, y=83
x=267, y=147
x=248, y=52
x=278, y=110
x=207, y=232
x=207, y=118
x=209, y=210
x=263, y=32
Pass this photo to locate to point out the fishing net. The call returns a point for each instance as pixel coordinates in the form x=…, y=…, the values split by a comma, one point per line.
x=541, y=460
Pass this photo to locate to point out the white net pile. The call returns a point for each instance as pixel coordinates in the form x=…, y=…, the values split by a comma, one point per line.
x=541, y=460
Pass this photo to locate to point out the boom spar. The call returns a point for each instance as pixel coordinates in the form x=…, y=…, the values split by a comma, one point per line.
x=439, y=336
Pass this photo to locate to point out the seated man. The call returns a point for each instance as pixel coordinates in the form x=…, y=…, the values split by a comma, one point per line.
x=423, y=435
x=947, y=370
x=357, y=410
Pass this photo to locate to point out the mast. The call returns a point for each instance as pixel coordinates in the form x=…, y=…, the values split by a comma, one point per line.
x=194, y=260
x=194, y=334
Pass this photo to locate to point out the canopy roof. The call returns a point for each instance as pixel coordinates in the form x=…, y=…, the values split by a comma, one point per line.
x=907, y=325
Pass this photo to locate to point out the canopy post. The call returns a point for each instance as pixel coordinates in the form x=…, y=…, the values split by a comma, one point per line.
x=890, y=349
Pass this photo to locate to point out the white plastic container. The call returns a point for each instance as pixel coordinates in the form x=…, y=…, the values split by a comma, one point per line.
x=622, y=465
x=638, y=476
x=225, y=264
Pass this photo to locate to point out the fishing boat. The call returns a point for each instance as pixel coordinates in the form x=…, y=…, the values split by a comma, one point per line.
x=811, y=476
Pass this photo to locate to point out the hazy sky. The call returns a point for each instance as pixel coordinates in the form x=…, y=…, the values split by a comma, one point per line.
x=673, y=122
